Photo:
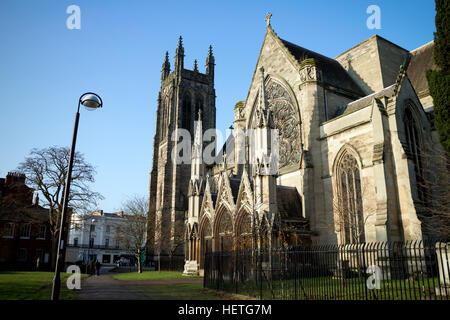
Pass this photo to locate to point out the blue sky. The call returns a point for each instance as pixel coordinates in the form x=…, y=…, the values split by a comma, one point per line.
x=118, y=52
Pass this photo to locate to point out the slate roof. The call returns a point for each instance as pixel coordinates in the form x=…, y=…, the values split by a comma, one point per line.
x=112, y=215
x=17, y=213
x=332, y=71
x=234, y=184
x=422, y=59
x=364, y=101
x=214, y=198
x=230, y=144
x=289, y=203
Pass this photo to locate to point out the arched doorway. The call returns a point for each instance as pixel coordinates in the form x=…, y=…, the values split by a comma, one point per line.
x=224, y=232
x=205, y=241
x=244, y=234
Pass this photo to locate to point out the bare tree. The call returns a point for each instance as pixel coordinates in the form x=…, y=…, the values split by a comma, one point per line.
x=433, y=187
x=177, y=239
x=354, y=223
x=46, y=172
x=160, y=238
x=131, y=232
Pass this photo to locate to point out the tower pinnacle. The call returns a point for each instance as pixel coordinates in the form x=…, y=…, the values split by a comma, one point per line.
x=195, y=65
x=165, y=71
x=210, y=63
x=179, y=56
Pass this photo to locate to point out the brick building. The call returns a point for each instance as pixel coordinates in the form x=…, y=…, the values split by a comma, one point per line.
x=24, y=226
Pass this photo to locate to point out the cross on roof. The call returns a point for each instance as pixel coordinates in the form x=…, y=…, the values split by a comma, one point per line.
x=268, y=16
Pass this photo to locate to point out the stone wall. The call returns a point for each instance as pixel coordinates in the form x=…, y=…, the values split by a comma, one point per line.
x=363, y=64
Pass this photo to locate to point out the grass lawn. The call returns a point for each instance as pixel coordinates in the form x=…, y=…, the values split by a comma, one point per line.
x=33, y=285
x=152, y=275
x=191, y=291
x=328, y=288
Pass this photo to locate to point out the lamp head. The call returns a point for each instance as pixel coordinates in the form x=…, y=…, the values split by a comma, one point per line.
x=91, y=101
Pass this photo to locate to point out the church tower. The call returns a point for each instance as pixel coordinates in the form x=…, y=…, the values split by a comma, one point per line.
x=184, y=94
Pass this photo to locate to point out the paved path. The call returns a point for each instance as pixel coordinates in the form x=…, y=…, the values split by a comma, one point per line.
x=105, y=287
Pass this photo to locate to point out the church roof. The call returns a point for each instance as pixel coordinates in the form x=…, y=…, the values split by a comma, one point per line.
x=422, y=59
x=364, y=101
x=29, y=213
x=289, y=203
x=332, y=71
x=234, y=185
x=214, y=198
x=230, y=144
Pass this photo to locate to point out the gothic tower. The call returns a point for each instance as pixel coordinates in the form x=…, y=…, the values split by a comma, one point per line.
x=183, y=93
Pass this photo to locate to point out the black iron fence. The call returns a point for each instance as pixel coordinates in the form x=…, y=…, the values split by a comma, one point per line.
x=371, y=271
x=167, y=262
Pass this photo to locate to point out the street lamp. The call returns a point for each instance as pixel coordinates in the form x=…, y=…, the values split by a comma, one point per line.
x=89, y=243
x=90, y=101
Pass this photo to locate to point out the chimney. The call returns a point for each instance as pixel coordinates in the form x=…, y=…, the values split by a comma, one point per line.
x=36, y=200
x=15, y=177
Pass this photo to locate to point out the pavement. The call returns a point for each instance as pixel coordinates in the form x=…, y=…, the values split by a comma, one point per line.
x=105, y=287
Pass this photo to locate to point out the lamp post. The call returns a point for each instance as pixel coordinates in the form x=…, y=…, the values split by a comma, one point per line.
x=91, y=101
x=89, y=242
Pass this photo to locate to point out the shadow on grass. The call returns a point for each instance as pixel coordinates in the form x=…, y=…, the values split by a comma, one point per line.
x=32, y=285
x=191, y=291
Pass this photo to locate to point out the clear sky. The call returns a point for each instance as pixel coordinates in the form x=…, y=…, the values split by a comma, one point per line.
x=118, y=53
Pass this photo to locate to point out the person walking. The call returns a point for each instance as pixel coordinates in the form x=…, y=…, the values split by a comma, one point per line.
x=92, y=267
x=97, y=267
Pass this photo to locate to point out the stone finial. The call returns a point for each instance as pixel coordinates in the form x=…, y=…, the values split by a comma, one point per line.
x=210, y=58
x=210, y=64
x=166, y=61
x=199, y=114
x=224, y=161
x=195, y=65
x=180, y=50
x=267, y=18
x=179, y=56
x=165, y=67
x=263, y=101
x=263, y=112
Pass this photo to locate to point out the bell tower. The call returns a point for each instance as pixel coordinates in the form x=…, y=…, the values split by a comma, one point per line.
x=184, y=94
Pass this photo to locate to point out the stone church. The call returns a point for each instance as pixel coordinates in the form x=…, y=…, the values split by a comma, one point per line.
x=350, y=134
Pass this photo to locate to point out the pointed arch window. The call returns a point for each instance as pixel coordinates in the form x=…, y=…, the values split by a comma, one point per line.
x=244, y=231
x=225, y=232
x=414, y=151
x=206, y=240
x=348, y=202
x=198, y=106
x=164, y=118
x=186, y=123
